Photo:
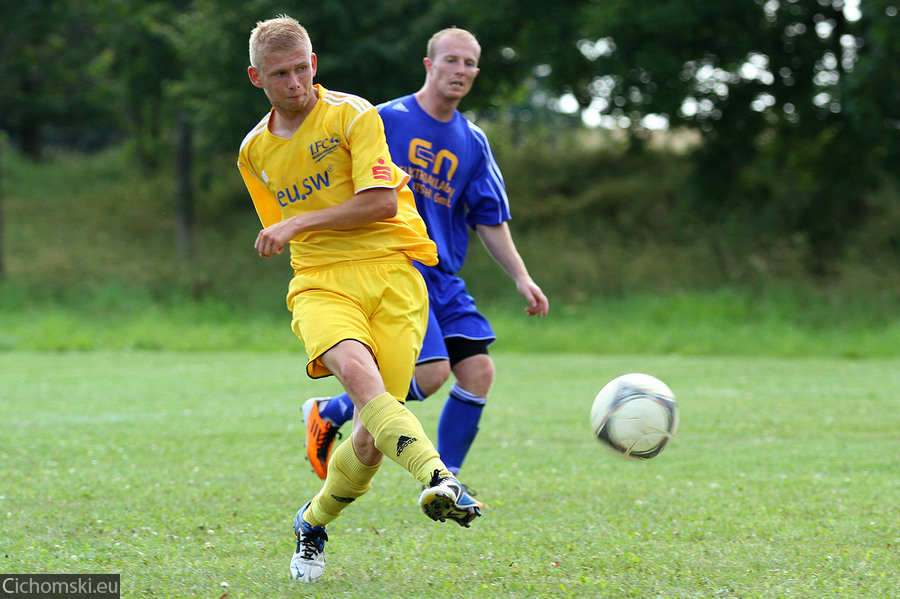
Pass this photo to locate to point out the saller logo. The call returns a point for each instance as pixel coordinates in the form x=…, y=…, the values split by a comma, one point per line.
x=381, y=172
x=403, y=442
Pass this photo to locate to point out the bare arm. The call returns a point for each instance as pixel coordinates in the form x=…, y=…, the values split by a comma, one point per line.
x=369, y=206
x=499, y=244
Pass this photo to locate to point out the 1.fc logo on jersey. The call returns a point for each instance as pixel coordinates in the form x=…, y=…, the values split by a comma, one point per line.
x=381, y=172
x=323, y=148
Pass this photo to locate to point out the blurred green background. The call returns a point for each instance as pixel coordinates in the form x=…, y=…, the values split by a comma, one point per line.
x=670, y=163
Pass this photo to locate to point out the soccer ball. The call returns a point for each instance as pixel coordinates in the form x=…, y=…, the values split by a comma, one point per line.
x=634, y=416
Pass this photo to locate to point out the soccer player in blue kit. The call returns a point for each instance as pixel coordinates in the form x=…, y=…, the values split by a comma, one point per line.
x=457, y=186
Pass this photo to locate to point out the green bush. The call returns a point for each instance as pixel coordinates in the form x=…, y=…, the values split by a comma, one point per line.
x=91, y=261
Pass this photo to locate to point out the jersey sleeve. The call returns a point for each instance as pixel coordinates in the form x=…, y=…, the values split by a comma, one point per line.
x=266, y=204
x=372, y=163
x=485, y=193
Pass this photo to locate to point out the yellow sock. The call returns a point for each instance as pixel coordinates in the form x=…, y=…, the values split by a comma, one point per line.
x=347, y=479
x=399, y=435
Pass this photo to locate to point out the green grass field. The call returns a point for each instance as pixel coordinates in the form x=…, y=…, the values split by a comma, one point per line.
x=182, y=471
x=149, y=414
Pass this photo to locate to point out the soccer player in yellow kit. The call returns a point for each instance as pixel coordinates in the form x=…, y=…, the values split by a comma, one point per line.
x=320, y=175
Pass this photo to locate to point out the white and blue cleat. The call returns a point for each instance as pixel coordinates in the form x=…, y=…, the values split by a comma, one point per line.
x=446, y=498
x=308, y=561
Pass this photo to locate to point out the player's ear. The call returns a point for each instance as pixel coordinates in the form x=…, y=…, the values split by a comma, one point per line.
x=427, y=62
x=253, y=73
x=313, y=63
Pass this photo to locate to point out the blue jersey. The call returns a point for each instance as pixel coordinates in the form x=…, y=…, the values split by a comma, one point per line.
x=454, y=176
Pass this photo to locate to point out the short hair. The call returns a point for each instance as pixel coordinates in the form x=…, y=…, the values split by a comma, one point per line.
x=276, y=35
x=431, y=49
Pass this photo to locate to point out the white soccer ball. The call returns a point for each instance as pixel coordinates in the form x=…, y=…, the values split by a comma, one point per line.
x=634, y=416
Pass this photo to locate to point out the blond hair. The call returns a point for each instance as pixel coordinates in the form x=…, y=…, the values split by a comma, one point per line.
x=431, y=49
x=276, y=35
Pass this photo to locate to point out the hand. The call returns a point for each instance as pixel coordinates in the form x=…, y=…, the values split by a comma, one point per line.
x=271, y=240
x=538, y=304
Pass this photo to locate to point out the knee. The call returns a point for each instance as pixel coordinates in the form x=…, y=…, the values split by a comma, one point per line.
x=353, y=365
x=364, y=446
x=475, y=374
x=430, y=376
x=486, y=369
x=352, y=370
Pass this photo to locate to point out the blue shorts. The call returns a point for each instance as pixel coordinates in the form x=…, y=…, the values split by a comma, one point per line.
x=451, y=313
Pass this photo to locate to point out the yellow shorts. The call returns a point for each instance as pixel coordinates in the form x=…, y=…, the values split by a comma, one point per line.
x=383, y=305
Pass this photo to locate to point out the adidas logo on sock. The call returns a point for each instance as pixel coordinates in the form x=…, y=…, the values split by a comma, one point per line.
x=403, y=442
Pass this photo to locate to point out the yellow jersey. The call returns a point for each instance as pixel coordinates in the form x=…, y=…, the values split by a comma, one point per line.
x=338, y=151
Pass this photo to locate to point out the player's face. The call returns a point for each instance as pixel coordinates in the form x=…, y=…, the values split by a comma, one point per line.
x=454, y=67
x=287, y=79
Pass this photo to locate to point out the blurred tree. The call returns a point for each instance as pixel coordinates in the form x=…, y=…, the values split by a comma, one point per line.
x=143, y=59
x=139, y=61
x=796, y=103
x=2, y=148
x=523, y=42
x=771, y=85
x=45, y=49
x=872, y=93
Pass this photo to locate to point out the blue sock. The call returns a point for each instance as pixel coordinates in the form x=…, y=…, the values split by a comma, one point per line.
x=415, y=391
x=458, y=426
x=339, y=409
